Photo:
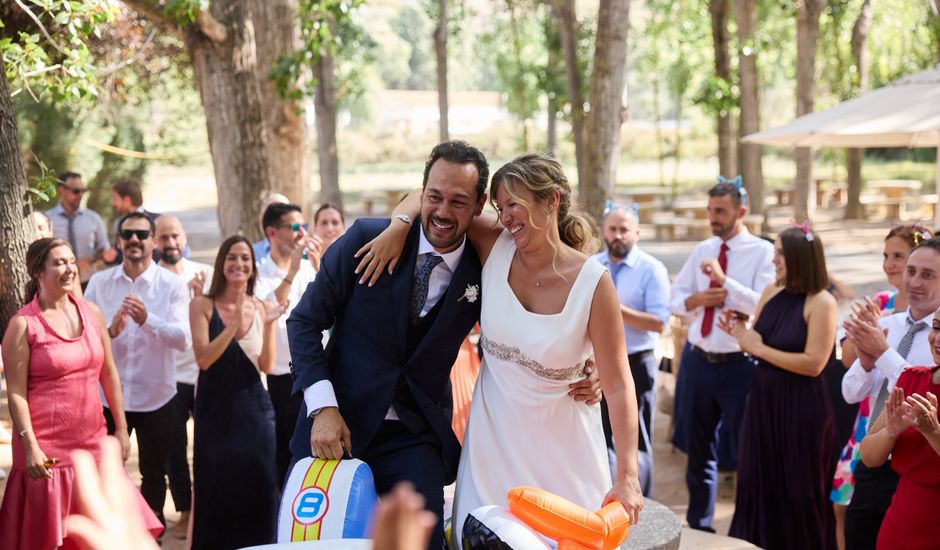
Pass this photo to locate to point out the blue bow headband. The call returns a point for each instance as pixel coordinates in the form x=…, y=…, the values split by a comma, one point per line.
x=738, y=183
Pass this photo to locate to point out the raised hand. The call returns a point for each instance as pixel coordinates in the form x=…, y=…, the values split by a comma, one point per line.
x=749, y=339
x=118, y=322
x=381, y=252
x=923, y=413
x=197, y=284
x=314, y=249
x=136, y=309
x=274, y=310
x=897, y=413
x=713, y=269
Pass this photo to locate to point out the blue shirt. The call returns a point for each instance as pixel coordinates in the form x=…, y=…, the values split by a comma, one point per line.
x=643, y=285
x=262, y=248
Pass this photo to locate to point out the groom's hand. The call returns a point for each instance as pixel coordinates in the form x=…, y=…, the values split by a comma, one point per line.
x=589, y=388
x=329, y=435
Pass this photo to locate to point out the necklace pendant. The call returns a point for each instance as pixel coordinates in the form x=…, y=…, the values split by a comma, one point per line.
x=538, y=283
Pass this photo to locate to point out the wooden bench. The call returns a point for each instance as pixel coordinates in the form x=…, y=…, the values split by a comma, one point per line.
x=920, y=207
x=669, y=227
x=784, y=195
x=881, y=207
x=369, y=201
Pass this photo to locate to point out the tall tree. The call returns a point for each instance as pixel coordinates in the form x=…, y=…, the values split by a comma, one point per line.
x=563, y=11
x=440, y=51
x=934, y=22
x=602, y=124
x=223, y=42
x=807, y=39
x=854, y=156
x=277, y=34
x=718, y=9
x=15, y=220
x=749, y=154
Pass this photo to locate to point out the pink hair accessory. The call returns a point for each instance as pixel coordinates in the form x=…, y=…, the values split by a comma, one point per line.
x=804, y=227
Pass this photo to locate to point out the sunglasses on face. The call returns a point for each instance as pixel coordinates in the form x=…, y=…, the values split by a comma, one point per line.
x=79, y=191
x=141, y=234
x=295, y=227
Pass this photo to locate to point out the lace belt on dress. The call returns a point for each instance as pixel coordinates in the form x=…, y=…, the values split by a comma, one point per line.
x=514, y=354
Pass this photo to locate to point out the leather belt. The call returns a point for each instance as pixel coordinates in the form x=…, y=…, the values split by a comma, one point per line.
x=718, y=357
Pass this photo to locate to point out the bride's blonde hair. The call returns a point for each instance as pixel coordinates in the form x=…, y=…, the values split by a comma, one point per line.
x=543, y=176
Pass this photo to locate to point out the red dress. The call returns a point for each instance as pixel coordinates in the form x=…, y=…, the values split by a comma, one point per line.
x=66, y=414
x=912, y=520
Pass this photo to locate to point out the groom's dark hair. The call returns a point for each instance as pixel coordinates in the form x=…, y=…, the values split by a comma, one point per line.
x=460, y=152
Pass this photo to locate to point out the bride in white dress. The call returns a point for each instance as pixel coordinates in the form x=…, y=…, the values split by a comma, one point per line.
x=546, y=306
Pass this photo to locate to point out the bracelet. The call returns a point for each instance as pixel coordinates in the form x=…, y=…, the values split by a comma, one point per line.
x=24, y=432
x=288, y=281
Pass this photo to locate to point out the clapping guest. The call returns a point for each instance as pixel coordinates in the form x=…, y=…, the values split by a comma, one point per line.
x=57, y=351
x=898, y=245
x=235, y=485
x=909, y=431
x=788, y=444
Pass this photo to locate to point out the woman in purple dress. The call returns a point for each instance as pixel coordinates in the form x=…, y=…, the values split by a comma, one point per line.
x=788, y=443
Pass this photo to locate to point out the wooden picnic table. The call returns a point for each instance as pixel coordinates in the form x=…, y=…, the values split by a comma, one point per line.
x=691, y=208
x=894, y=189
x=646, y=197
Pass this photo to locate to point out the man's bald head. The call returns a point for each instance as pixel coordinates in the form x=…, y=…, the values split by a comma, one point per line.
x=170, y=239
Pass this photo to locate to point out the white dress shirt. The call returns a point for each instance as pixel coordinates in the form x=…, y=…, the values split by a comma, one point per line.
x=269, y=278
x=750, y=270
x=142, y=353
x=186, y=370
x=858, y=384
x=321, y=394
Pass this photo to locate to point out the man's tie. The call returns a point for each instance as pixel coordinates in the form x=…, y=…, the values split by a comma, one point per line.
x=71, y=219
x=709, y=318
x=904, y=348
x=420, y=293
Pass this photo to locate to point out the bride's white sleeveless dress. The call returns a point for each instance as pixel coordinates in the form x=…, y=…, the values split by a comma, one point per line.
x=524, y=428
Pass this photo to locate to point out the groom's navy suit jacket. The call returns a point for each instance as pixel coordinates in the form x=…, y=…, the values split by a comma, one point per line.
x=375, y=357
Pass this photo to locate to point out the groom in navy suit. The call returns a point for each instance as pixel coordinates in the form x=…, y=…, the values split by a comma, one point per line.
x=380, y=390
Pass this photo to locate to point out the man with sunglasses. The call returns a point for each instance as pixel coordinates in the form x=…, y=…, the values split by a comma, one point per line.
x=147, y=308
x=82, y=228
x=284, y=274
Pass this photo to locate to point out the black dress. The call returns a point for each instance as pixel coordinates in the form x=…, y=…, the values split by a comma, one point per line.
x=235, y=490
x=788, y=445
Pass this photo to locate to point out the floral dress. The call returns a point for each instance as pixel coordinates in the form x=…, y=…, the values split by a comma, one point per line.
x=843, y=483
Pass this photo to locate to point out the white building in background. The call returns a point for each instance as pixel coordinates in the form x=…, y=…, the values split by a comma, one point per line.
x=413, y=112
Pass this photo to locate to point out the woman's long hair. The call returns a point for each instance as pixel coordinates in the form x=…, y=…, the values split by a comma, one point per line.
x=218, y=274
x=36, y=256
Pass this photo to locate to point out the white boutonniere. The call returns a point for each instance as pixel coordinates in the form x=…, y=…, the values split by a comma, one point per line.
x=471, y=294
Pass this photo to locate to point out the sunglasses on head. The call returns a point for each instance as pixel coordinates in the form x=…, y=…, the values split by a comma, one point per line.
x=142, y=234
x=297, y=226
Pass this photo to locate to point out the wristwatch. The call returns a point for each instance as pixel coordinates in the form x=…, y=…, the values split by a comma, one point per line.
x=403, y=217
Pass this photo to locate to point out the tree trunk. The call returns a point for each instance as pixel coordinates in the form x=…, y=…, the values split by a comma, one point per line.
x=553, y=107
x=807, y=38
x=518, y=79
x=228, y=76
x=749, y=155
x=853, y=158
x=325, y=105
x=563, y=11
x=440, y=50
x=276, y=34
x=602, y=125
x=718, y=9
x=16, y=227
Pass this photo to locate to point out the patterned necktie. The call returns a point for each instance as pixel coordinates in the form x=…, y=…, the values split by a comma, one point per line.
x=904, y=348
x=709, y=318
x=420, y=293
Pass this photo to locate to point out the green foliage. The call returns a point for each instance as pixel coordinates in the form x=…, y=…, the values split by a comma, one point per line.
x=327, y=27
x=183, y=11
x=42, y=188
x=58, y=66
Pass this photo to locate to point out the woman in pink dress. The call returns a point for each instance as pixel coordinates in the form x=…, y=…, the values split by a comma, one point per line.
x=56, y=351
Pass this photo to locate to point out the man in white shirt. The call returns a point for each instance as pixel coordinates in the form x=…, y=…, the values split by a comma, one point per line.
x=284, y=275
x=881, y=358
x=170, y=243
x=146, y=307
x=726, y=272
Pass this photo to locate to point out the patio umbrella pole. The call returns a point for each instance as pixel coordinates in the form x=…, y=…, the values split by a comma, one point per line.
x=936, y=210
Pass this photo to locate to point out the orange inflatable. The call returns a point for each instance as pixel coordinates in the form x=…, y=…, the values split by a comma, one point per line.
x=573, y=526
x=462, y=379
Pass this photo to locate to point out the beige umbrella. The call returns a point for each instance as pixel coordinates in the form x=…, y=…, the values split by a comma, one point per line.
x=905, y=113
